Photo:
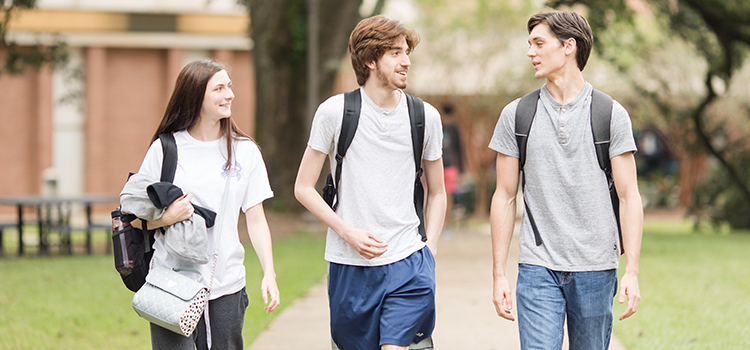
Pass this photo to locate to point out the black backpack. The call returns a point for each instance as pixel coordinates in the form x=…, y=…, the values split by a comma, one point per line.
x=352, y=109
x=139, y=242
x=601, y=115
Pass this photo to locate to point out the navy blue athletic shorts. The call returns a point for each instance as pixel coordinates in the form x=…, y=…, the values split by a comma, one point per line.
x=376, y=305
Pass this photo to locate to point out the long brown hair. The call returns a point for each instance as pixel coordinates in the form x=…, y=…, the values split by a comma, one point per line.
x=183, y=109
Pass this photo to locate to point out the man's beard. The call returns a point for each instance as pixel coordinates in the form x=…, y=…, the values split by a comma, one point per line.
x=401, y=84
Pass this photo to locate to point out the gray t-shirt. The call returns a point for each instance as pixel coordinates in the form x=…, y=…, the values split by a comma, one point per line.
x=565, y=189
x=376, y=192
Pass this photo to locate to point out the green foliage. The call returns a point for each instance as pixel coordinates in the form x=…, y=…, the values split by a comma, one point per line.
x=680, y=56
x=296, y=15
x=718, y=201
x=18, y=58
x=692, y=289
x=79, y=302
x=658, y=191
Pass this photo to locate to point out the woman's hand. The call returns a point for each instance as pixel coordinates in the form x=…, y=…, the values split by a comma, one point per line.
x=268, y=288
x=181, y=209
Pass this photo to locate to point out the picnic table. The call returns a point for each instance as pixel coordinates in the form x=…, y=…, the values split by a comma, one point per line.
x=46, y=206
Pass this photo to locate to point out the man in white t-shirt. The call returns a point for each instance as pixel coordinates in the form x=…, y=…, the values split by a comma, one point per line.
x=381, y=274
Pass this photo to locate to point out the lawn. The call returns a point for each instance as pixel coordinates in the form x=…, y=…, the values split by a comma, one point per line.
x=695, y=290
x=695, y=294
x=79, y=302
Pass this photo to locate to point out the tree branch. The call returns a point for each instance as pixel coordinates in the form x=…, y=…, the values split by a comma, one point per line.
x=696, y=116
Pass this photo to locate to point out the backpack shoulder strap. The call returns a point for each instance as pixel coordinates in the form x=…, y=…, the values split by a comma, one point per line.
x=352, y=108
x=169, y=162
x=416, y=118
x=601, y=115
x=525, y=112
x=349, y=123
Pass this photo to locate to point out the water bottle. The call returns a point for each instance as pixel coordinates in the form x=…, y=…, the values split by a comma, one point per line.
x=121, y=236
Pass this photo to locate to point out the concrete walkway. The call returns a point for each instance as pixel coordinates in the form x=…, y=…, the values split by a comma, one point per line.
x=466, y=318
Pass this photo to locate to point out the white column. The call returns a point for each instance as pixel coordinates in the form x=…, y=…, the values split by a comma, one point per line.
x=68, y=125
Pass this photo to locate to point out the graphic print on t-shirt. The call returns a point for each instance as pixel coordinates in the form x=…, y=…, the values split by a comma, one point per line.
x=235, y=171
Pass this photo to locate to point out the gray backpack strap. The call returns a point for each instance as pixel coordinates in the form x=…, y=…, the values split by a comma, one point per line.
x=525, y=112
x=416, y=116
x=601, y=117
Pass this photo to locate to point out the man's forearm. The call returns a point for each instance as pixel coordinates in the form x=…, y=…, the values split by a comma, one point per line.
x=631, y=223
x=311, y=199
x=434, y=216
x=502, y=223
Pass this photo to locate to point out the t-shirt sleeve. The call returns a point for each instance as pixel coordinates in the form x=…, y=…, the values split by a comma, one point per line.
x=151, y=165
x=504, y=138
x=326, y=124
x=621, y=132
x=259, y=188
x=433, y=138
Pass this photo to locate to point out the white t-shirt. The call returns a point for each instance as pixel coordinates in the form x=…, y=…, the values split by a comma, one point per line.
x=200, y=172
x=376, y=191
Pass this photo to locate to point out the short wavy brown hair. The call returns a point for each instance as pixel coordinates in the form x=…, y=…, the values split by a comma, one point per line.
x=372, y=37
x=565, y=25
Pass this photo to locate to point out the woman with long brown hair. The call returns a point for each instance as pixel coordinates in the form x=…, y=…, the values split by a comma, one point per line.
x=210, y=147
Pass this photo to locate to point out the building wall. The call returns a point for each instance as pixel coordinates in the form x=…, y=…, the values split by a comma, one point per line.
x=126, y=78
x=126, y=92
x=126, y=105
x=25, y=131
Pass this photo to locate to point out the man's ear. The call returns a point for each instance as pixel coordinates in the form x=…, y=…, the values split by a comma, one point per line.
x=570, y=46
x=372, y=65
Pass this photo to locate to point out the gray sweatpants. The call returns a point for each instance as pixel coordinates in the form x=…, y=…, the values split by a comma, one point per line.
x=227, y=314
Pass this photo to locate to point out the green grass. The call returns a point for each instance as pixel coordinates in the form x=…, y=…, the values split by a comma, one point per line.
x=695, y=291
x=79, y=302
x=695, y=294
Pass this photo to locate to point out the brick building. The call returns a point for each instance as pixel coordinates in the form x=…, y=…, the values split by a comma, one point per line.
x=81, y=128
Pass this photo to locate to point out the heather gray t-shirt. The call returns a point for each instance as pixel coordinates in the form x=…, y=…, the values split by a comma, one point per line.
x=376, y=192
x=566, y=190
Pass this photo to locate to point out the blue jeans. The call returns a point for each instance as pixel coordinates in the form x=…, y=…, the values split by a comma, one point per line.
x=546, y=297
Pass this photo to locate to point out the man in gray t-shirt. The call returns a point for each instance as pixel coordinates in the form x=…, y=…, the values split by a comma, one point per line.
x=572, y=274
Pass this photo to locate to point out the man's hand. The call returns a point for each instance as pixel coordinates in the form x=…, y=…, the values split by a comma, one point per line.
x=502, y=298
x=365, y=243
x=629, y=287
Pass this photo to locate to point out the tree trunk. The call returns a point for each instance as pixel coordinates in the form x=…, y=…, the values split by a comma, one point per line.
x=279, y=31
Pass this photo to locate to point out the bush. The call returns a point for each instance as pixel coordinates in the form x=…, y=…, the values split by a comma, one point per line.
x=719, y=201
